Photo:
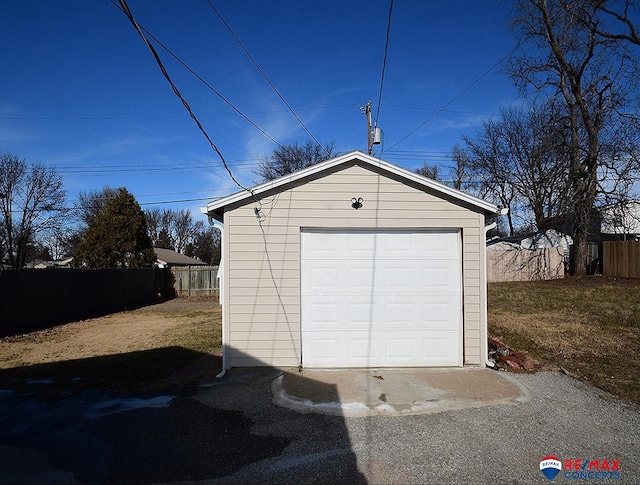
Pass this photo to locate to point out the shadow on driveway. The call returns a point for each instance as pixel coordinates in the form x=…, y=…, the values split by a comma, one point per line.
x=76, y=422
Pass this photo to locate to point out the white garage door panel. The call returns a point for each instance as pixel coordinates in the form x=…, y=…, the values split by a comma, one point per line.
x=357, y=276
x=352, y=350
x=381, y=298
x=325, y=314
x=360, y=245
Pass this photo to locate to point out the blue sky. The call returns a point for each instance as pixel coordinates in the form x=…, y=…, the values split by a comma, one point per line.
x=80, y=91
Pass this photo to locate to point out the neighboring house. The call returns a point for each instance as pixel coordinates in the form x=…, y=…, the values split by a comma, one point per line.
x=353, y=262
x=621, y=221
x=187, y=280
x=44, y=264
x=168, y=258
x=39, y=264
x=529, y=257
x=614, y=222
x=63, y=263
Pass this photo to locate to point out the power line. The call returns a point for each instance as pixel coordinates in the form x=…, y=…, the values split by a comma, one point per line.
x=203, y=166
x=444, y=111
x=384, y=63
x=163, y=117
x=181, y=167
x=191, y=192
x=455, y=98
x=201, y=79
x=263, y=112
x=266, y=78
x=123, y=4
x=177, y=201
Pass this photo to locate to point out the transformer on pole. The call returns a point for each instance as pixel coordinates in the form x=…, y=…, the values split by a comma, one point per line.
x=374, y=134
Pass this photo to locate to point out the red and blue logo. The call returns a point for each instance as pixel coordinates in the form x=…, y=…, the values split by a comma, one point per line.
x=550, y=466
x=580, y=469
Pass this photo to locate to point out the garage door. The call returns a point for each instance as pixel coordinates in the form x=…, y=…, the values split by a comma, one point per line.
x=381, y=298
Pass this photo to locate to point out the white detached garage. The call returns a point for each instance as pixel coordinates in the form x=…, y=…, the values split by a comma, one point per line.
x=353, y=262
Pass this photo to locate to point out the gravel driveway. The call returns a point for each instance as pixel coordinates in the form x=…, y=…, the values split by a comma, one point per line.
x=231, y=432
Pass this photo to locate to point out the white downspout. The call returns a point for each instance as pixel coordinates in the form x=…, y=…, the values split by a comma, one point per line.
x=504, y=211
x=221, y=293
x=487, y=362
x=220, y=277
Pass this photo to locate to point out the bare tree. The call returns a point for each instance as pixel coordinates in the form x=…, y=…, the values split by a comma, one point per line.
x=291, y=158
x=205, y=246
x=535, y=140
x=618, y=20
x=491, y=165
x=3, y=243
x=563, y=56
x=159, y=227
x=31, y=203
x=184, y=229
x=172, y=229
x=429, y=171
x=520, y=161
x=462, y=171
x=91, y=204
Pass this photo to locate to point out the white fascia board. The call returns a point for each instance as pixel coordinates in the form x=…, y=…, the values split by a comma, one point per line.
x=348, y=157
x=274, y=184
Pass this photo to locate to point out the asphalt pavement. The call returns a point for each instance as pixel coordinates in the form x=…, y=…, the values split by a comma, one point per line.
x=231, y=431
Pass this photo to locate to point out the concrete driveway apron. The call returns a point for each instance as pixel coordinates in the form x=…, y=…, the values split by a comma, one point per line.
x=368, y=392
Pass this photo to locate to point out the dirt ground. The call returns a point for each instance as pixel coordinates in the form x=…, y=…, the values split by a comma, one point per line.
x=129, y=331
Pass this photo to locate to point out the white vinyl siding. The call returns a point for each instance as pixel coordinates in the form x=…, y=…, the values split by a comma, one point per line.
x=262, y=260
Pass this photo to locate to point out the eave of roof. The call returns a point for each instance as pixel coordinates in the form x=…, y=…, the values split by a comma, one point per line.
x=214, y=208
x=168, y=256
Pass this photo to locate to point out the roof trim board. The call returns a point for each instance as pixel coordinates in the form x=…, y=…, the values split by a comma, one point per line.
x=213, y=208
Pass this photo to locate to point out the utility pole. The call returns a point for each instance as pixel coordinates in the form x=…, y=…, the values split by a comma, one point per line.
x=374, y=134
x=367, y=112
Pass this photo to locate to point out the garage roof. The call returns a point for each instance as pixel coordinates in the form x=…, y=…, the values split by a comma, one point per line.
x=216, y=207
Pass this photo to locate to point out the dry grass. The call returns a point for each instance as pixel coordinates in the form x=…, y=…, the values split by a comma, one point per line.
x=588, y=326
x=139, y=348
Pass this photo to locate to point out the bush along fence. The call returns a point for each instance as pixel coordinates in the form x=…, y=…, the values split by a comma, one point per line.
x=195, y=280
x=621, y=259
x=34, y=299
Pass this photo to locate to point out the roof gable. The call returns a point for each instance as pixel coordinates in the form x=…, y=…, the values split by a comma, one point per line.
x=172, y=258
x=216, y=207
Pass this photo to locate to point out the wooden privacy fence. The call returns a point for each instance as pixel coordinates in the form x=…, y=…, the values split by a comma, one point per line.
x=518, y=264
x=621, y=259
x=195, y=280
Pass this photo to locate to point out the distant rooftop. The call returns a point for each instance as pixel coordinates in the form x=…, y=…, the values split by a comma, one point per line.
x=168, y=257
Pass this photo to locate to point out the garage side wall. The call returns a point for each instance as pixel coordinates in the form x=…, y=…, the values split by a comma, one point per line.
x=262, y=267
